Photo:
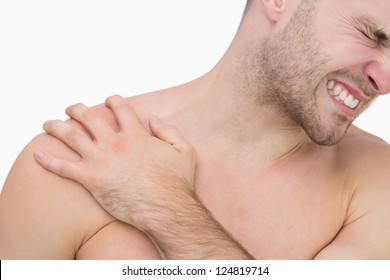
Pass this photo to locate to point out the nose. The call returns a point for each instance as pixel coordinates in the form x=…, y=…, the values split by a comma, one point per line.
x=378, y=76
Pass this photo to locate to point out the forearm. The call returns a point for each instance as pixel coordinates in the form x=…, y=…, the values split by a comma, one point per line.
x=186, y=230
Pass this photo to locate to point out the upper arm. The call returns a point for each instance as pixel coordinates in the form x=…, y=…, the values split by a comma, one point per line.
x=366, y=230
x=367, y=238
x=44, y=216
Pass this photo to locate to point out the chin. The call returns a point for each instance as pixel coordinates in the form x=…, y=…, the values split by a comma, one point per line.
x=327, y=136
x=328, y=142
x=328, y=128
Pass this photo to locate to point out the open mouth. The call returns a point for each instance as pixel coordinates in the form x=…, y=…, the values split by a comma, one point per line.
x=342, y=94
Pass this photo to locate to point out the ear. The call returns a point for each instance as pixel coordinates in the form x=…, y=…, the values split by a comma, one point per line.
x=274, y=8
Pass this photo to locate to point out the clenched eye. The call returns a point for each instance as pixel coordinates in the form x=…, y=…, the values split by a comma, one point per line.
x=371, y=32
x=368, y=34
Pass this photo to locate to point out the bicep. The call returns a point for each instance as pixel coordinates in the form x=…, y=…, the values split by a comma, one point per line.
x=43, y=216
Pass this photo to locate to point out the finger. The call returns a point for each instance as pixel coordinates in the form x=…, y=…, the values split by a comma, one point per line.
x=125, y=115
x=71, y=136
x=61, y=167
x=91, y=119
x=169, y=134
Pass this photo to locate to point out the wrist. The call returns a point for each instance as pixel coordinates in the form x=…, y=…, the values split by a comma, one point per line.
x=179, y=210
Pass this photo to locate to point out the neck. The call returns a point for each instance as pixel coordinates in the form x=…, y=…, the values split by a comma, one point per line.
x=230, y=106
x=223, y=107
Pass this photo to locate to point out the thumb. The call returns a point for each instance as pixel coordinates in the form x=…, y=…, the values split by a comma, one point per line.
x=169, y=134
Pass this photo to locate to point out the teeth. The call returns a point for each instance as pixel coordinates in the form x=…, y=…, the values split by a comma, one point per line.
x=348, y=101
x=342, y=94
x=354, y=104
x=337, y=90
x=331, y=85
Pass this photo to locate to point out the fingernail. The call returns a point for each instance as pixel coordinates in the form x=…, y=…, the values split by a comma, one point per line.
x=38, y=155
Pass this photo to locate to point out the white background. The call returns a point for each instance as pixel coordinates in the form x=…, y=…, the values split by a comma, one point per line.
x=56, y=53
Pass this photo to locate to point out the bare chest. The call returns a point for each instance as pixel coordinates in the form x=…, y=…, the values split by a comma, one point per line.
x=287, y=212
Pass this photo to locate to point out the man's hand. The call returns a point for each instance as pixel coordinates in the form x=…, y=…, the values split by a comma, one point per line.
x=142, y=179
x=129, y=172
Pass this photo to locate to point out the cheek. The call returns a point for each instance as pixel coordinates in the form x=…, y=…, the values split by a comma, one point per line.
x=346, y=53
x=341, y=43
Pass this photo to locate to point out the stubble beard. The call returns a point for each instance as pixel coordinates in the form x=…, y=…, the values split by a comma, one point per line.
x=291, y=71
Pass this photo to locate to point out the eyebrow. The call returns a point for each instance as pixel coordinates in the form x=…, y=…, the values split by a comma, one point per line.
x=379, y=33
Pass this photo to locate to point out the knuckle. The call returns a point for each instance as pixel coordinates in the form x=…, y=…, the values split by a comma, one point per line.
x=115, y=96
x=111, y=99
x=58, y=167
x=115, y=101
x=72, y=135
x=73, y=107
x=88, y=116
x=50, y=126
x=75, y=110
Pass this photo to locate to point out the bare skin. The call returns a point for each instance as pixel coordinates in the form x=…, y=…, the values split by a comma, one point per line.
x=280, y=195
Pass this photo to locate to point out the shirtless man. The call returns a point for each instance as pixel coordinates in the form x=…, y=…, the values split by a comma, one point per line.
x=279, y=165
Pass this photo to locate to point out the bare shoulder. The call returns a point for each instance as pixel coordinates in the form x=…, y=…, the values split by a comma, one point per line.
x=366, y=153
x=41, y=214
x=365, y=232
x=44, y=216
